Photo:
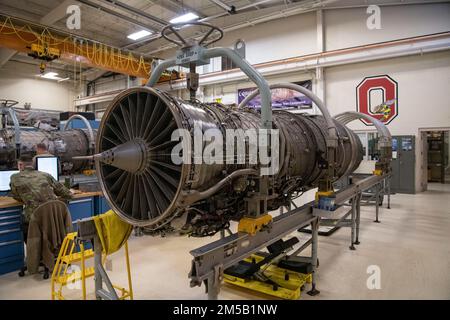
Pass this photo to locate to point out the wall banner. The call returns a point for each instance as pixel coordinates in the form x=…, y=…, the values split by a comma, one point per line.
x=281, y=98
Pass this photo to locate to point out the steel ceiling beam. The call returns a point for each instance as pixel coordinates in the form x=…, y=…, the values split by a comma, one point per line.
x=59, y=12
x=117, y=14
x=5, y=55
x=224, y=6
x=21, y=39
x=177, y=7
x=160, y=22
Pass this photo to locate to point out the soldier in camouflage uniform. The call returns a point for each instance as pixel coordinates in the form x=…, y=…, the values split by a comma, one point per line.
x=33, y=188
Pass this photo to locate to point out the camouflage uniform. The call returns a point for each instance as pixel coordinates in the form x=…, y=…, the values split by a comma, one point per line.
x=33, y=188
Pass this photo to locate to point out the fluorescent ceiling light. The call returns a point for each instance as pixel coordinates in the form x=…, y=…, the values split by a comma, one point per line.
x=50, y=75
x=184, y=18
x=138, y=35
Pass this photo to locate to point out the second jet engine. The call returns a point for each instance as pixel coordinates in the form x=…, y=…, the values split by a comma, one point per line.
x=64, y=144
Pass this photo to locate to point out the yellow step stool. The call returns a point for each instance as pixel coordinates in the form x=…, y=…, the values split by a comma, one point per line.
x=62, y=274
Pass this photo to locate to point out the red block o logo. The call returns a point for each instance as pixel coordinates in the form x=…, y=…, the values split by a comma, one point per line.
x=389, y=89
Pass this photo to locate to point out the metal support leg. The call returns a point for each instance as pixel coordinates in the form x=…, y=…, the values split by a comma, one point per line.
x=110, y=293
x=83, y=271
x=213, y=283
x=314, y=239
x=101, y=275
x=388, y=181
x=358, y=216
x=213, y=290
x=353, y=221
x=292, y=204
x=97, y=262
x=377, y=203
x=127, y=260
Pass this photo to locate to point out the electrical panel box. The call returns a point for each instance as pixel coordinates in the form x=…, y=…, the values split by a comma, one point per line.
x=403, y=164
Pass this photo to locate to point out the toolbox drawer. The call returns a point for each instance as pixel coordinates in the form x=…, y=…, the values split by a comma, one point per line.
x=16, y=211
x=11, y=240
x=11, y=234
x=11, y=248
x=10, y=264
x=10, y=222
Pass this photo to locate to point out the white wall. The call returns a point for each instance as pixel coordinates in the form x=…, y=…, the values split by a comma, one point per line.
x=113, y=83
x=17, y=82
x=423, y=93
x=345, y=28
x=289, y=37
x=423, y=90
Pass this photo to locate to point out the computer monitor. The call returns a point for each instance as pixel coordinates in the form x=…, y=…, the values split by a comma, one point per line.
x=48, y=165
x=5, y=179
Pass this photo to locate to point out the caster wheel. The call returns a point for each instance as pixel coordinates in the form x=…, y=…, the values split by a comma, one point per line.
x=46, y=276
x=21, y=273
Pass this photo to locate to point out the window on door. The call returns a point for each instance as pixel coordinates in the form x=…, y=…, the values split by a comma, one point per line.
x=369, y=141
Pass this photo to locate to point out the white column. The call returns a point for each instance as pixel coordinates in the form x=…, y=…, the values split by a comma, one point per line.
x=319, y=83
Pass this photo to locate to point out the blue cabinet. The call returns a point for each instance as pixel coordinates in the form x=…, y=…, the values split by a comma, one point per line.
x=11, y=240
x=101, y=205
x=80, y=209
x=11, y=235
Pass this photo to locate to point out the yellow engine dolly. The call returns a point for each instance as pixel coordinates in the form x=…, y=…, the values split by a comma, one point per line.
x=289, y=283
x=253, y=225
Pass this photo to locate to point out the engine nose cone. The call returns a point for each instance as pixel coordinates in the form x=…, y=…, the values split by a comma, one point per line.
x=129, y=156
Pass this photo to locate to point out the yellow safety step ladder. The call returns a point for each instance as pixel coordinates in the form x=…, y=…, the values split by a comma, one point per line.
x=68, y=256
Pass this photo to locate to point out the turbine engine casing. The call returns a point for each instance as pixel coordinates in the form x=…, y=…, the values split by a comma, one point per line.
x=145, y=188
x=64, y=144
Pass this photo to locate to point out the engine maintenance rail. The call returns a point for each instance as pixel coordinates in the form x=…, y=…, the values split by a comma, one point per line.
x=211, y=260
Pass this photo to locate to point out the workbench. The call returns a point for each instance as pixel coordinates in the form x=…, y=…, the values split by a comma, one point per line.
x=12, y=255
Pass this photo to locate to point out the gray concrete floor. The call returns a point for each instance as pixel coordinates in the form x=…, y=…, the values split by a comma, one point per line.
x=411, y=246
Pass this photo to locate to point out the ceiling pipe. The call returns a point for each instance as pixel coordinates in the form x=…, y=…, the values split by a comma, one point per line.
x=157, y=36
x=239, y=10
x=141, y=13
x=294, y=10
x=116, y=14
x=392, y=4
x=399, y=48
x=230, y=9
x=385, y=50
x=179, y=7
x=290, y=11
x=254, y=4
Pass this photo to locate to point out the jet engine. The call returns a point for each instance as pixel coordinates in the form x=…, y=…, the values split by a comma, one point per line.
x=145, y=187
